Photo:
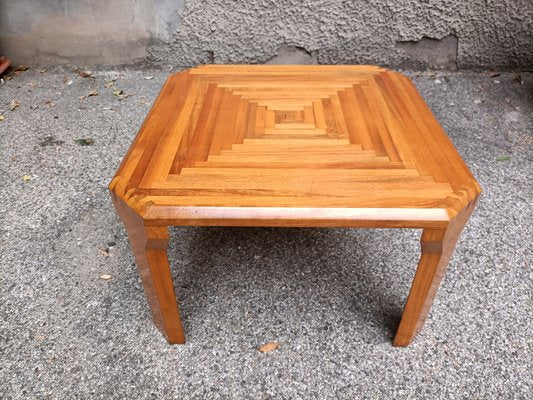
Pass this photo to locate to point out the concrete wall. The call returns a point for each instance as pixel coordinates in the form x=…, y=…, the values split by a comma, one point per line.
x=446, y=34
x=85, y=31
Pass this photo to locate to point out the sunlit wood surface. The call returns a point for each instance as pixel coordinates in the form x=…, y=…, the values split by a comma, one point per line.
x=324, y=146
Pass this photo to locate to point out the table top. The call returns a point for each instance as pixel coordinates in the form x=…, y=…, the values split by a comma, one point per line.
x=264, y=145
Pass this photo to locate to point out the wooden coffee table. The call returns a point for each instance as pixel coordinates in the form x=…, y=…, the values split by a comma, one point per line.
x=292, y=146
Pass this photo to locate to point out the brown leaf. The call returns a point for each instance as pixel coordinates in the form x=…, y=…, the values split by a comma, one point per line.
x=117, y=92
x=21, y=68
x=82, y=97
x=104, y=252
x=517, y=78
x=107, y=85
x=67, y=81
x=494, y=74
x=85, y=74
x=268, y=347
x=93, y=93
x=14, y=105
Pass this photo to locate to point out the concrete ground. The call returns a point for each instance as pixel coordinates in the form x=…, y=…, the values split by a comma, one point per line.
x=331, y=297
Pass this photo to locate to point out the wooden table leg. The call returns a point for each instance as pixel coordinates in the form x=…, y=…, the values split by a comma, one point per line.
x=437, y=247
x=149, y=245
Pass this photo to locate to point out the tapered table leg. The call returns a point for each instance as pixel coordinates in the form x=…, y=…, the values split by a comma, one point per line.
x=149, y=245
x=437, y=247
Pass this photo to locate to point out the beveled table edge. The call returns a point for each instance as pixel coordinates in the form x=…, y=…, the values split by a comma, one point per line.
x=297, y=217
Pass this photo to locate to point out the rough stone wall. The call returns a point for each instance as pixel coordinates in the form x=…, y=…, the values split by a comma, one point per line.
x=478, y=33
x=448, y=34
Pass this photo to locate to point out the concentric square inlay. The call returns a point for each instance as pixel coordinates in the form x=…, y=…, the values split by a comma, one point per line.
x=338, y=137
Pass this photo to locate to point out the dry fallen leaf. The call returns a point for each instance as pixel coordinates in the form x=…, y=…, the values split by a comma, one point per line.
x=93, y=93
x=104, y=252
x=26, y=178
x=105, y=277
x=494, y=74
x=117, y=92
x=107, y=85
x=82, y=97
x=517, y=78
x=49, y=103
x=268, y=347
x=21, y=67
x=85, y=74
x=14, y=105
x=1, y=117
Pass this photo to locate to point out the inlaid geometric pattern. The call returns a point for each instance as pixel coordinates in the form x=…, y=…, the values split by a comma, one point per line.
x=227, y=143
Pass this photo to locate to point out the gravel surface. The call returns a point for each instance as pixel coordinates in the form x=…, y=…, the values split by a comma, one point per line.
x=332, y=298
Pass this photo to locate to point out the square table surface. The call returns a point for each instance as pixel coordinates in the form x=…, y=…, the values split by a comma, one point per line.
x=250, y=145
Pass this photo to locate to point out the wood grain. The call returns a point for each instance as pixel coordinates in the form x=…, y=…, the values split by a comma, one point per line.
x=437, y=248
x=288, y=119
x=313, y=146
x=149, y=244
